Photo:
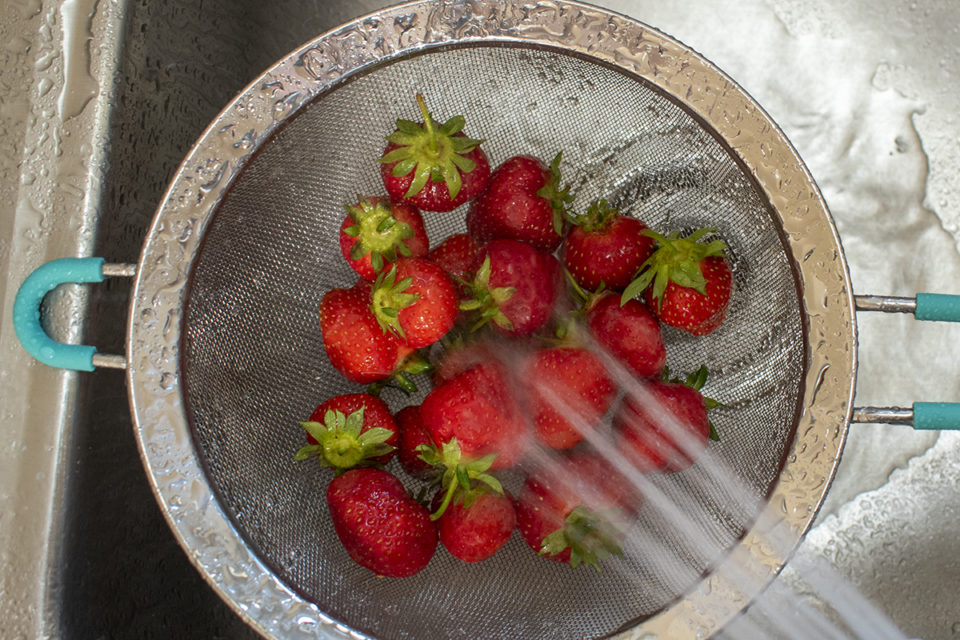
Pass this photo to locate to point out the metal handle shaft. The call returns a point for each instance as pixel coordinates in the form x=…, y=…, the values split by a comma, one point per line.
x=924, y=415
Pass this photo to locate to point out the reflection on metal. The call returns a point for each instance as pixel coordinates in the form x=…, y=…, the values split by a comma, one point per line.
x=886, y=304
x=883, y=415
x=127, y=270
x=106, y=361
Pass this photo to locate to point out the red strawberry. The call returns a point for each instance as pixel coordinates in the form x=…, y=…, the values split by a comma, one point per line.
x=380, y=526
x=474, y=516
x=606, y=248
x=566, y=376
x=523, y=201
x=576, y=510
x=416, y=300
x=459, y=357
x=663, y=426
x=685, y=282
x=475, y=530
x=412, y=435
x=459, y=255
x=377, y=231
x=350, y=430
x=355, y=343
x=629, y=332
x=477, y=408
x=515, y=287
x=433, y=166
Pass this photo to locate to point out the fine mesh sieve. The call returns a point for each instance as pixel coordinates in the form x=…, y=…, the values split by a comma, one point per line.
x=225, y=349
x=254, y=365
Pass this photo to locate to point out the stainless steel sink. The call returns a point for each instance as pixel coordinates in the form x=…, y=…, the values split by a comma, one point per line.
x=118, y=92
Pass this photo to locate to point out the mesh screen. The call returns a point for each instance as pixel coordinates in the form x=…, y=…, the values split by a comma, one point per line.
x=254, y=364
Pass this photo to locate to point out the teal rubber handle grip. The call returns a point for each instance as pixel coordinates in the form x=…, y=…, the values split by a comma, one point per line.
x=936, y=415
x=938, y=307
x=26, y=312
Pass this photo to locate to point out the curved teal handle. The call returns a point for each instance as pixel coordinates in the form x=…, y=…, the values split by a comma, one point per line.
x=937, y=307
x=26, y=312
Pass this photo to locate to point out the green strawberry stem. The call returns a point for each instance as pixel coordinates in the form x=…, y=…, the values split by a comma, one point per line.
x=378, y=233
x=559, y=197
x=590, y=537
x=584, y=298
x=598, y=216
x=341, y=443
x=389, y=298
x=414, y=364
x=462, y=479
x=677, y=260
x=427, y=123
x=431, y=152
x=486, y=302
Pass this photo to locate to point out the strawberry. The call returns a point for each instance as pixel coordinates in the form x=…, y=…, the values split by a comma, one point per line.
x=432, y=166
x=687, y=283
x=350, y=430
x=477, y=408
x=663, y=426
x=515, y=287
x=380, y=526
x=412, y=435
x=460, y=356
x=377, y=231
x=523, y=201
x=474, y=516
x=568, y=389
x=475, y=530
x=355, y=344
x=459, y=255
x=576, y=510
x=629, y=332
x=604, y=247
x=416, y=300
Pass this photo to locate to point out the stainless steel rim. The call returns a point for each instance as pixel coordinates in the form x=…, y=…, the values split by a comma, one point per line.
x=156, y=397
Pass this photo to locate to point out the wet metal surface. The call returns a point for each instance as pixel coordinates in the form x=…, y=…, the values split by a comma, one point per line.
x=118, y=91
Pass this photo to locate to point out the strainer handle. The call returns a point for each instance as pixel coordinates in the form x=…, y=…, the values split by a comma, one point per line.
x=26, y=312
x=934, y=307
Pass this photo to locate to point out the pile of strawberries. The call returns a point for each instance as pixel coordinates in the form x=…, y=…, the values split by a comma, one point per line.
x=530, y=325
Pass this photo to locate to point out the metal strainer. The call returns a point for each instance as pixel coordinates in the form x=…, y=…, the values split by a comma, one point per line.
x=224, y=353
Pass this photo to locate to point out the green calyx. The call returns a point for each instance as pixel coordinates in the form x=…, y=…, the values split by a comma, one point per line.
x=377, y=232
x=590, y=536
x=431, y=151
x=389, y=298
x=676, y=260
x=413, y=364
x=485, y=302
x=598, y=216
x=584, y=298
x=559, y=197
x=341, y=445
x=695, y=381
x=462, y=479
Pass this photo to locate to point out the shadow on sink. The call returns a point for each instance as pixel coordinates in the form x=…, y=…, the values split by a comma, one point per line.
x=120, y=572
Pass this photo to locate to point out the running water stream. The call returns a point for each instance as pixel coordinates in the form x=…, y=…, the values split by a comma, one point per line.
x=693, y=514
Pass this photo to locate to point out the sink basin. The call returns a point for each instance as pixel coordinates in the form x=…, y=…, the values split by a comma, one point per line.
x=119, y=92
